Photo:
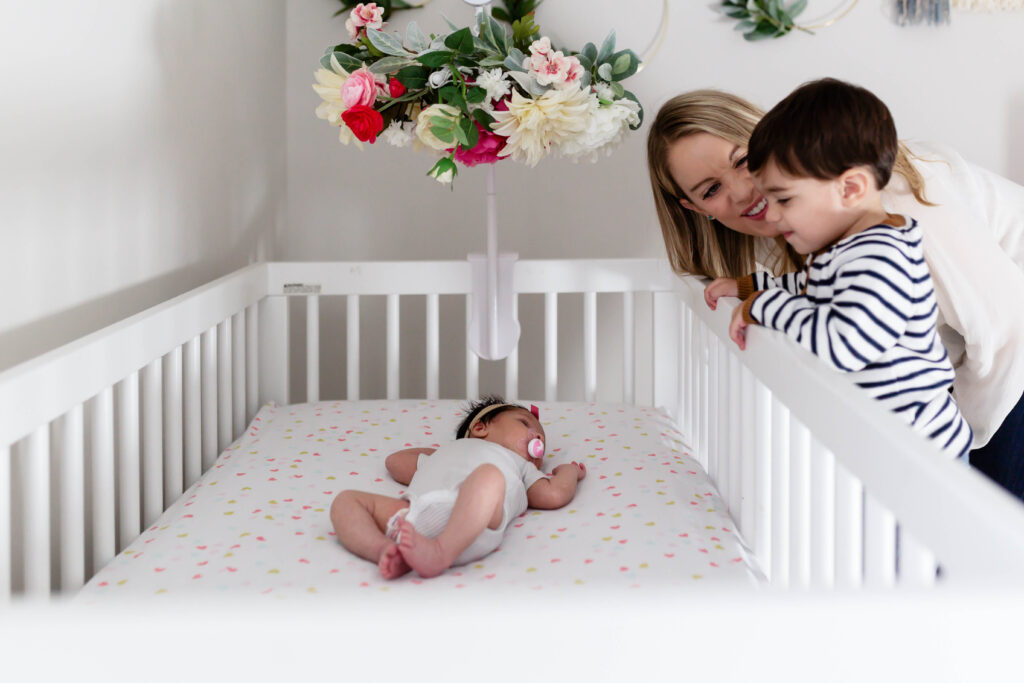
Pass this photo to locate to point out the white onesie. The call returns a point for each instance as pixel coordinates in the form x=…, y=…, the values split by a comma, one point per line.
x=434, y=487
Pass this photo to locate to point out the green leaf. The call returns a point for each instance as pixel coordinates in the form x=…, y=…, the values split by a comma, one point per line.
x=413, y=77
x=460, y=134
x=443, y=134
x=501, y=15
x=387, y=43
x=796, y=8
x=500, y=36
x=618, y=89
x=607, y=47
x=460, y=41
x=605, y=71
x=472, y=134
x=435, y=59
x=475, y=95
x=442, y=122
x=589, y=52
x=483, y=117
x=347, y=62
x=620, y=64
x=630, y=96
x=513, y=65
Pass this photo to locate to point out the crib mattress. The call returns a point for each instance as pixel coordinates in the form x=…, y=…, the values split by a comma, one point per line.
x=256, y=523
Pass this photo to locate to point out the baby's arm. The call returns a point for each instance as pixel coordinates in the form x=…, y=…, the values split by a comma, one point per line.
x=559, y=489
x=401, y=464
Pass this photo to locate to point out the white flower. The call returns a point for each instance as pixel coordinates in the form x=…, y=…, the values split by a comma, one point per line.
x=399, y=134
x=423, y=132
x=606, y=128
x=440, y=77
x=328, y=87
x=533, y=126
x=604, y=91
x=495, y=83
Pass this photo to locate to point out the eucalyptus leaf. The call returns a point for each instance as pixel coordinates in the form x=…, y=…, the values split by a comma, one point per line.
x=388, y=65
x=527, y=83
x=387, y=43
x=607, y=47
x=630, y=96
x=605, y=71
x=796, y=8
x=589, y=52
x=618, y=89
x=415, y=39
x=621, y=64
x=347, y=62
x=514, y=66
x=500, y=36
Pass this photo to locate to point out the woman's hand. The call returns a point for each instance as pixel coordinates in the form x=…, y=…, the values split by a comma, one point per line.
x=738, y=328
x=719, y=287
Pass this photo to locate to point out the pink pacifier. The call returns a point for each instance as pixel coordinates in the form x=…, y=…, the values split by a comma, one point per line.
x=535, y=448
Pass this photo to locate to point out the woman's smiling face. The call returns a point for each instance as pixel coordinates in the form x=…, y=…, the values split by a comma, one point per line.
x=713, y=174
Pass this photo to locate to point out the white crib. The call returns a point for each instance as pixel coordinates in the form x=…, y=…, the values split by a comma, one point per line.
x=829, y=490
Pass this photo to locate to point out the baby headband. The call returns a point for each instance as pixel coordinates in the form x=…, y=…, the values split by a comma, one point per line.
x=533, y=409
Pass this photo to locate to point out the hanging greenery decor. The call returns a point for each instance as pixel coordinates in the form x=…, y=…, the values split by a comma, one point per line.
x=760, y=19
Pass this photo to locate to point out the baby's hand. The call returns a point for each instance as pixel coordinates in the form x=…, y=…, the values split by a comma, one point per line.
x=738, y=328
x=719, y=287
x=581, y=469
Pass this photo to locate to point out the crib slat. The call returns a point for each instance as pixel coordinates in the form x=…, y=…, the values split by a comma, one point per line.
x=392, y=333
x=101, y=453
x=35, y=450
x=352, y=347
x=223, y=385
x=174, y=455
x=800, y=504
x=879, y=544
x=628, y=349
x=252, y=363
x=726, y=393
x=472, y=361
x=590, y=346
x=780, y=455
x=208, y=398
x=70, y=447
x=237, y=374
x=193, y=428
x=312, y=348
x=849, y=529
x=550, y=346
x=684, y=406
x=735, y=425
x=129, y=500
x=433, y=346
x=703, y=397
x=5, y=525
x=152, y=443
x=761, y=451
x=823, y=516
x=712, y=384
x=512, y=361
x=916, y=562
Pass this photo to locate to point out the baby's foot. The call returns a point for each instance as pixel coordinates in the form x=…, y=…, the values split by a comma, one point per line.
x=391, y=563
x=423, y=554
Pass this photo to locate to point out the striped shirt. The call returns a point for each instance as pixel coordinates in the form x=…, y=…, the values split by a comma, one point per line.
x=866, y=306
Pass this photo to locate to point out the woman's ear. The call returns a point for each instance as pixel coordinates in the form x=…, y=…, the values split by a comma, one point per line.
x=688, y=205
x=854, y=184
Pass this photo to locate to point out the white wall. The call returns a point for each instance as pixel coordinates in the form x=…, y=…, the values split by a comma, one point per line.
x=143, y=155
x=960, y=84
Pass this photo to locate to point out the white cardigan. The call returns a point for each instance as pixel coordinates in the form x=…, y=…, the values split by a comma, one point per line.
x=974, y=246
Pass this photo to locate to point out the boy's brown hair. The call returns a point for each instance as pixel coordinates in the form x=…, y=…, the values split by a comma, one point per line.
x=824, y=128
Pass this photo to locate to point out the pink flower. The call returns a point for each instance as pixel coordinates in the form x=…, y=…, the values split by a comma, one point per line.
x=552, y=67
x=486, y=150
x=360, y=89
x=364, y=17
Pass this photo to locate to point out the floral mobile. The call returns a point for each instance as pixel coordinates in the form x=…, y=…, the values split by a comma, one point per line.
x=478, y=94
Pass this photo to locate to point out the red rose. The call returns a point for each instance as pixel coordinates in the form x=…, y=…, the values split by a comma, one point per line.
x=395, y=87
x=364, y=121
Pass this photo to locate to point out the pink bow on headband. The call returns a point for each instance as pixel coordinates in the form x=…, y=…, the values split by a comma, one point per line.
x=535, y=410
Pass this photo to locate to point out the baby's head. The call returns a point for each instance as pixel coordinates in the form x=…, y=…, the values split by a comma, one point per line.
x=507, y=424
x=819, y=156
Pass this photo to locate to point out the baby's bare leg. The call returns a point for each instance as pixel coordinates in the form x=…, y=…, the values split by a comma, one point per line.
x=359, y=520
x=478, y=506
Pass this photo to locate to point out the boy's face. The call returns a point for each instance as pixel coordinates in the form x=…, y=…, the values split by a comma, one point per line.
x=512, y=429
x=809, y=212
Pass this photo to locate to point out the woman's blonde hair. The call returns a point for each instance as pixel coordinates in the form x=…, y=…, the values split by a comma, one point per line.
x=696, y=244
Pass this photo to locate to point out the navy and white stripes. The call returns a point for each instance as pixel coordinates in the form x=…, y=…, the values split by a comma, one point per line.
x=866, y=306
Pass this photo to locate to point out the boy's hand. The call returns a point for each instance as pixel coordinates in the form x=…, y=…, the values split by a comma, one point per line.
x=738, y=328
x=719, y=287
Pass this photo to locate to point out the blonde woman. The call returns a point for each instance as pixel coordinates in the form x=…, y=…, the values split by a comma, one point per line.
x=713, y=223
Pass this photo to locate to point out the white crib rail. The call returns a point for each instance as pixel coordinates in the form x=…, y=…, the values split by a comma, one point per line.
x=827, y=523
x=827, y=487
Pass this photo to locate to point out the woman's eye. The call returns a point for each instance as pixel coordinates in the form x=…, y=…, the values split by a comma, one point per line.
x=742, y=161
x=711, y=190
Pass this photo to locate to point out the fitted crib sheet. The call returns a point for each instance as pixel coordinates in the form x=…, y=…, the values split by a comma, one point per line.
x=256, y=523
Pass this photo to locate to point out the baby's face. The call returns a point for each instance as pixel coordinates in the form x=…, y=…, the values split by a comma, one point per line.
x=513, y=429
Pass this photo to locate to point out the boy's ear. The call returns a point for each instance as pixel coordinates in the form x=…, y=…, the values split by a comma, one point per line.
x=854, y=184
